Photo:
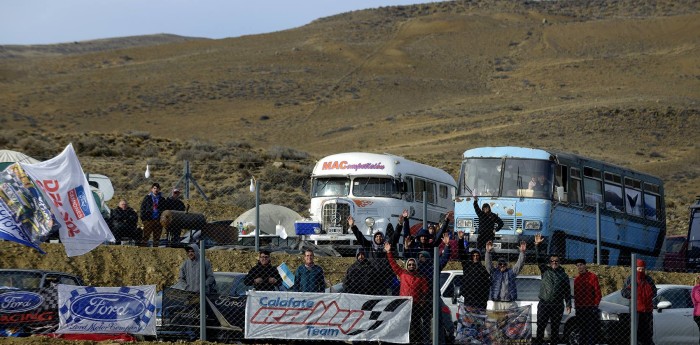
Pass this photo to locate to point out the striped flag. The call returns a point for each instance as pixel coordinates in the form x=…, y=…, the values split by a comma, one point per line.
x=286, y=274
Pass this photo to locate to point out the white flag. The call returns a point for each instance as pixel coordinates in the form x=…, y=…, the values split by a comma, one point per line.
x=64, y=186
x=286, y=275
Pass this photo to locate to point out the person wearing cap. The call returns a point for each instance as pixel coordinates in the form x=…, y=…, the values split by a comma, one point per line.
x=413, y=284
x=489, y=224
x=587, y=296
x=188, y=276
x=504, y=289
x=555, y=294
x=475, y=288
x=360, y=276
x=152, y=205
x=263, y=276
x=646, y=291
x=173, y=230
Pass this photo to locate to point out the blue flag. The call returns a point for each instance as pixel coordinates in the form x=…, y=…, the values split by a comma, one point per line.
x=286, y=274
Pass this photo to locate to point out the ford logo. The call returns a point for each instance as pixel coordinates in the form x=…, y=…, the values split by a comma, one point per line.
x=107, y=306
x=19, y=301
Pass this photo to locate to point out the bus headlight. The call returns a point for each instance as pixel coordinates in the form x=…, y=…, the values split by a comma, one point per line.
x=533, y=225
x=465, y=223
x=606, y=316
x=369, y=221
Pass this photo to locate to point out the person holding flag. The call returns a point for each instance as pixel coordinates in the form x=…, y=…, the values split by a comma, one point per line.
x=263, y=276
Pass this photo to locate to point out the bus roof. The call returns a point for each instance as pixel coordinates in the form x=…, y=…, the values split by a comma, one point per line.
x=375, y=164
x=530, y=153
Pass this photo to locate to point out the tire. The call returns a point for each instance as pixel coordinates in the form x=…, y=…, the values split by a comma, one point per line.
x=573, y=334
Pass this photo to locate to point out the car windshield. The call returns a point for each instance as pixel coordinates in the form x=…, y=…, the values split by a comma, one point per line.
x=20, y=280
x=616, y=297
x=231, y=284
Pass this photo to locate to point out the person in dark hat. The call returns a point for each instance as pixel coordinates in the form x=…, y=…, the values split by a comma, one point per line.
x=475, y=289
x=360, y=276
x=504, y=290
x=554, y=296
x=646, y=291
x=264, y=276
x=489, y=224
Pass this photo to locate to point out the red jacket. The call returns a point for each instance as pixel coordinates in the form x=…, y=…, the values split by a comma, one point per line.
x=587, y=290
x=413, y=283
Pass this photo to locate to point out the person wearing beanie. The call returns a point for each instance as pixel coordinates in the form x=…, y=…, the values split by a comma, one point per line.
x=360, y=276
x=646, y=291
x=374, y=253
x=475, y=289
x=555, y=294
x=413, y=284
x=587, y=296
x=489, y=224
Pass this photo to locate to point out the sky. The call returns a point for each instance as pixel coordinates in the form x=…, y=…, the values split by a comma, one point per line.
x=59, y=21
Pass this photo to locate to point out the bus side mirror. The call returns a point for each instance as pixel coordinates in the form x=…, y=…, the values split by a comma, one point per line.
x=560, y=194
x=456, y=294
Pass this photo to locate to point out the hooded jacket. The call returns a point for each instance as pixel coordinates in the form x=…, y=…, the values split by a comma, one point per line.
x=489, y=224
x=475, y=288
x=189, y=273
x=360, y=277
x=646, y=291
x=413, y=283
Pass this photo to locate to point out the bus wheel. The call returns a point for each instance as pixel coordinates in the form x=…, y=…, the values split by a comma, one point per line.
x=558, y=245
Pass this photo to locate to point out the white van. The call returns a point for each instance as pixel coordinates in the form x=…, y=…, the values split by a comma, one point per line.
x=374, y=189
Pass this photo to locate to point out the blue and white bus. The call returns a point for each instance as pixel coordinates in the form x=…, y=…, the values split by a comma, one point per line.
x=555, y=194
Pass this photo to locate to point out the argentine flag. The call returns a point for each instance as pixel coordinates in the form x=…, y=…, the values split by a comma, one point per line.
x=286, y=274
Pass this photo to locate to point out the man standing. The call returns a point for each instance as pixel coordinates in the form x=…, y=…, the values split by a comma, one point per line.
x=646, y=291
x=587, y=296
x=189, y=272
x=555, y=293
x=151, y=208
x=309, y=277
x=504, y=289
x=361, y=276
x=477, y=281
x=263, y=276
x=174, y=203
x=489, y=224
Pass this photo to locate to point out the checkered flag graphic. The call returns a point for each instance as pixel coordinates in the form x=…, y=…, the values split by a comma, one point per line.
x=378, y=308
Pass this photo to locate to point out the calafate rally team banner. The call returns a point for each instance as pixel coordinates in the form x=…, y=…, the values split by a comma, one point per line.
x=327, y=316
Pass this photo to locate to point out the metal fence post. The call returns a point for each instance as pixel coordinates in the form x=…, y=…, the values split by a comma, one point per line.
x=634, y=320
x=597, y=232
x=436, y=296
x=202, y=294
x=425, y=210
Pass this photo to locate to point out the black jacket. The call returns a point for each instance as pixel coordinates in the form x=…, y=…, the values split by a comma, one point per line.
x=147, y=207
x=361, y=279
x=264, y=272
x=488, y=225
x=476, y=280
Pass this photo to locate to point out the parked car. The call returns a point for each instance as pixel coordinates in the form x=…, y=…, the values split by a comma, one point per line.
x=673, y=317
x=177, y=315
x=528, y=292
x=36, y=292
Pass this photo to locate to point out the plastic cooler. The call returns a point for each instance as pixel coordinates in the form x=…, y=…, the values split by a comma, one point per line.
x=306, y=227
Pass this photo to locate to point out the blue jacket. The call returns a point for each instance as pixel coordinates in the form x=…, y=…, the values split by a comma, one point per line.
x=498, y=278
x=309, y=279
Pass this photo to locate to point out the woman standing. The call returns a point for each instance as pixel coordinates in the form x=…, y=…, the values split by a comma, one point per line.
x=695, y=295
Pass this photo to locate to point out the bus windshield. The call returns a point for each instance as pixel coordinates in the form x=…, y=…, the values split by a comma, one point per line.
x=330, y=186
x=528, y=178
x=373, y=186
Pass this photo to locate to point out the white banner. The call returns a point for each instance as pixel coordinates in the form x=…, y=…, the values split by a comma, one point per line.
x=65, y=187
x=126, y=309
x=327, y=316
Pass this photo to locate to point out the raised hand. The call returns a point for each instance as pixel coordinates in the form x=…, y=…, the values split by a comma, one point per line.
x=538, y=239
x=407, y=241
x=351, y=221
x=489, y=246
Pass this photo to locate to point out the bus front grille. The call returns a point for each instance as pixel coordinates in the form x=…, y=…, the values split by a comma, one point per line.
x=335, y=218
x=508, y=223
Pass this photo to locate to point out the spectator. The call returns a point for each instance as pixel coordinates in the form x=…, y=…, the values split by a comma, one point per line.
x=504, y=289
x=587, y=296
x=189, y=272
x=424, y=240
x=646, y=291
x=360, y=276
x=454, y=247
x=374, y=252
x=124, y=222
x=174, y=203
x=476, y=280
x=263, y=276
x=151, y=208
x=415, y=285
x=555, y=292
x=695, y=296
x=309, y=276
x=489, y=224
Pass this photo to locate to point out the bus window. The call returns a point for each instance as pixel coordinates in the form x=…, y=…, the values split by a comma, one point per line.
x=330, y=186
x=432, y=190
x=574, y=193
x=633, y=195
x=528, y=178
x=592, y=186
x=409, y=185
x=373, y=186
x=443, y=192
x=613, y=193
x=652, y=203
x=418, y=188
x=480, y=175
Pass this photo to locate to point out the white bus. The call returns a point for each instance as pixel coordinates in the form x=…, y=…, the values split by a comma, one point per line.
x=374, y=189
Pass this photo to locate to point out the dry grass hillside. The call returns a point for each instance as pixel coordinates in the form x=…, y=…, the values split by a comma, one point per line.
x=614, y=80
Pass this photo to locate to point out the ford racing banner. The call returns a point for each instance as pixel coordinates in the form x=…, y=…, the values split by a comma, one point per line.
x=512, y=326
x=325, y=316
x=30, y=309
x=126, y=309
x=64, y=185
